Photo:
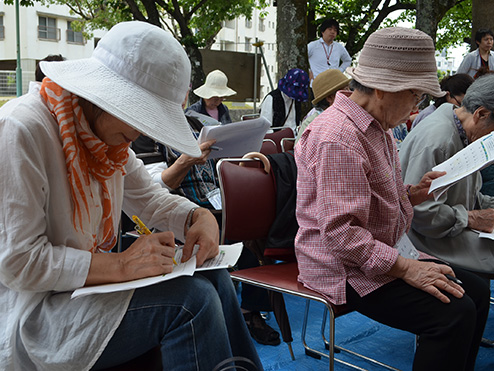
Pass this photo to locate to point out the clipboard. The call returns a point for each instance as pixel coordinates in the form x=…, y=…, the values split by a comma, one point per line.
x=235, y=139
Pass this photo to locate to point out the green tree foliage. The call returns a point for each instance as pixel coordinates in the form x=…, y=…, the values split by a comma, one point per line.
x=359, y=18
x=194, y=23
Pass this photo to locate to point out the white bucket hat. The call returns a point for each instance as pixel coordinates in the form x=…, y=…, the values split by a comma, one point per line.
x=215, y=86
x=138, y=73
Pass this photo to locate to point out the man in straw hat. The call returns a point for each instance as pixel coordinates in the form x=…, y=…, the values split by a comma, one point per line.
x=212, y=94
x=66, y=175
x=324, y=87
x=354, y=210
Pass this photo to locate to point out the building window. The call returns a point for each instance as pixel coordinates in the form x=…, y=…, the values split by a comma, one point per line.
x=248, y=46
x=47, y=28
x=248, y=23
x=2, y=28
x=230, y=24
x=74, y=36
x=262, y=26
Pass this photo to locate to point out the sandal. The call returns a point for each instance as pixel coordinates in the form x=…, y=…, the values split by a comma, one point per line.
x=260, y=330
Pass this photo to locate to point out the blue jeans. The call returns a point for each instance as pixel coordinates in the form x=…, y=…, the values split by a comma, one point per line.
x=196, y=321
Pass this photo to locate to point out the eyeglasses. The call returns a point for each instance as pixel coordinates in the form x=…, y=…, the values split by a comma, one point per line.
x=418, y=98
x=458, y=103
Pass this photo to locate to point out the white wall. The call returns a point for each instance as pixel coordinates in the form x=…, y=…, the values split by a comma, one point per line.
x=31, y=47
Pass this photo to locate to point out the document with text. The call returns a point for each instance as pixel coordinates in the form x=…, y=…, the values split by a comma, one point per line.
x=226, y=258
x=235, y=139
x=472, y=158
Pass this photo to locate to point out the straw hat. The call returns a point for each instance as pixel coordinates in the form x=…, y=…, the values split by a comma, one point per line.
x=327, y=83
x=215, y=86
x=138, y=73
x=396, y=59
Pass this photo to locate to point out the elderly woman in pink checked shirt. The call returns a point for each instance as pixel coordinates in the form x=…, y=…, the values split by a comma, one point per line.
x=354, y=210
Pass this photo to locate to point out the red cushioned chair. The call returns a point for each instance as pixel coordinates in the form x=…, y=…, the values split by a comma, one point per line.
x=278, y=134
x=249, y=208
x=287, y=144
x=268, y=147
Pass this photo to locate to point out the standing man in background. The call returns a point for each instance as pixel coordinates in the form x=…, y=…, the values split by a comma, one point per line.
x=481, y=60
x=325, y=53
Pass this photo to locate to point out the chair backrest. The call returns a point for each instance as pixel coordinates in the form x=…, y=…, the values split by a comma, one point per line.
x=249, y=200
x=250, y=116
x=277, y=135
x=268, y=147
x=287, y=144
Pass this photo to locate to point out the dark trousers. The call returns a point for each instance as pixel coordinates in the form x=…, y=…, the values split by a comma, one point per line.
x=253, y=298
x=449, y=334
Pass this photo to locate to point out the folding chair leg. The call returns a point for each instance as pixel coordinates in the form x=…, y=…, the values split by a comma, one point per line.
x=330, y=343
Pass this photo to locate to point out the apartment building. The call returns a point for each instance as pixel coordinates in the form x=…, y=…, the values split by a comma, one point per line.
x=240, y=34
x=47, y=30
x=43, y=31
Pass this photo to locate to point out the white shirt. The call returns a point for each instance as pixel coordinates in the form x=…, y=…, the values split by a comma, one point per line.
x=319, y=52
x=267, y=110
x=43, y=258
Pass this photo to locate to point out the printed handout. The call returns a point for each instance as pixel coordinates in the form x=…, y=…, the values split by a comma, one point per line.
x=226, y=258
x=235, y=139
x=472, y=158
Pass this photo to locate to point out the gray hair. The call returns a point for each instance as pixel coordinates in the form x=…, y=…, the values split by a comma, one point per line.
x=480, y=94
x=355, y=85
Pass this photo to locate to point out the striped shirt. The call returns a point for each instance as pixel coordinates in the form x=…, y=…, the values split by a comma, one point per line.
x=352, y=206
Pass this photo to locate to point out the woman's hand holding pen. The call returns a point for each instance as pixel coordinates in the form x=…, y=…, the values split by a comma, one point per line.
x=203, y=232
x=150, y=255
x=205, y=148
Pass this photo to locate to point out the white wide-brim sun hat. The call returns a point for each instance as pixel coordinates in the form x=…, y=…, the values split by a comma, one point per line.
x=138, y=73
x=216, y=85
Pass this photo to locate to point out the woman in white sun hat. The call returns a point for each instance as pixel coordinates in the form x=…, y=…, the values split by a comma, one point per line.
x=212, y=95
x=67, y=173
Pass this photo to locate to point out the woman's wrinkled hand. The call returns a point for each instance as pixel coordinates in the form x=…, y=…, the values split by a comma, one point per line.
x=427, y=276
x=150, y=255
x=420, y=192
x=203, y=232
x=481, y=220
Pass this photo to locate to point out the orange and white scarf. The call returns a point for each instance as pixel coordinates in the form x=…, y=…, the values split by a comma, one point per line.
x=87, y=159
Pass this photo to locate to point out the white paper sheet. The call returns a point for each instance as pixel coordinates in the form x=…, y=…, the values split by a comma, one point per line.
x=235, y=139
x=472, y=158
x=203, y=119
x=226, y=258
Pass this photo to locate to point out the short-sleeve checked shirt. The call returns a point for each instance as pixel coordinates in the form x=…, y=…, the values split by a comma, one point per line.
x=352, y=206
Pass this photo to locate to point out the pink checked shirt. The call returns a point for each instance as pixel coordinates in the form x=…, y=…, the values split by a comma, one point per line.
x=352, y=206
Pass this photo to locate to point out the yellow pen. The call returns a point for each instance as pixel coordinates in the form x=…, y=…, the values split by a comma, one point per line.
x=142, y=229
x=140, y=226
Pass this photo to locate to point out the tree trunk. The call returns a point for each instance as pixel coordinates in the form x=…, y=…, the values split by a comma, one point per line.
x=429, y=13
x=291, y=34
x=482, y=17
x=197, y=77
x=311, y=18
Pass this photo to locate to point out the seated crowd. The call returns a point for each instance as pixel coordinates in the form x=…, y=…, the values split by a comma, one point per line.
x=369, y=233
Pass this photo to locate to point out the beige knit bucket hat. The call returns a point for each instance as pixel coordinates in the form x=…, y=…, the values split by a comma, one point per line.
x=396, y=59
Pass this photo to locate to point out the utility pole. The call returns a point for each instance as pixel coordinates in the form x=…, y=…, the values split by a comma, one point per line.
x=18, y=70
